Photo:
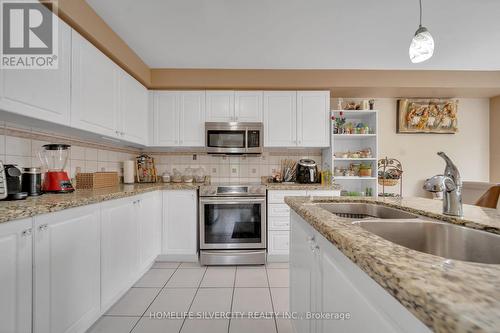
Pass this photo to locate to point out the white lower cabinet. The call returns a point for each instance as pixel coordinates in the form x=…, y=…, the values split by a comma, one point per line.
x=304, y=276
x=180, y=224
x=149, y=216
x=324, y=280
x=16, y=276
x=278, y=220
x=66, y=270
x=130, y=242
x=119, y=248
x=60, y=271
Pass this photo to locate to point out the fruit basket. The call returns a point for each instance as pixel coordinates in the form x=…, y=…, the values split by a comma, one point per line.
x=390, y=173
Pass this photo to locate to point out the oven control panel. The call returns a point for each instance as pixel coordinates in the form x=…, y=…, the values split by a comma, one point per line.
x=231, y=190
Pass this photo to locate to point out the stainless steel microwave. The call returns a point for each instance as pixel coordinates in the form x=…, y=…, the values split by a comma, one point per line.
x=234, y=138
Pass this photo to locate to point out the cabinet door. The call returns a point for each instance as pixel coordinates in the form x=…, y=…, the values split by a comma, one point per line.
x=180, y=223
x=41, y=94
x=94, y=89
x=119, y=253
x=313, y=122
x=166, y=118
x=248, y=106
x=66, y=270
x=192, y=119
x=149, y=218
x=15, y=276
x=220, y=105
x=279, y=242
x=280, y=119
x=344, y=296
x=133, y=110
x=303, y=274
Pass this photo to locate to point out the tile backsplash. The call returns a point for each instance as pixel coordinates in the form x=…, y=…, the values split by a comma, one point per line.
x=21, y=146
x=232, y=169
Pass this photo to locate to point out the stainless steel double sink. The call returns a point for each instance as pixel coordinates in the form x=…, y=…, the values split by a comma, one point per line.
x=421, y=234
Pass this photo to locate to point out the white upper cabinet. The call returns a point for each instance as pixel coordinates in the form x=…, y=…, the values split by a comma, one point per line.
x=105, y=99
x=94, y=91
x=248, y=106
x=280, y=118
x=296, y=119
x=165, y=118
x=220, y=106
x=229, y=105
x=192, y=119
x=133, y=109
x=16, y=276
x=179, y=118
x=313, y=122
x=66, y=270
x=37, y=93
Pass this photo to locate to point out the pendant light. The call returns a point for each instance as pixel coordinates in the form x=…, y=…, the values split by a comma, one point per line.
x=422, y=44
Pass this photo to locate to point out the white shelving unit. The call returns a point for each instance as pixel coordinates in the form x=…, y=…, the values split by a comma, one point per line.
x=354, y=142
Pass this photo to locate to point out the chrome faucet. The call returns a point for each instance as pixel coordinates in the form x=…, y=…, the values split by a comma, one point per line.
x=450, y=184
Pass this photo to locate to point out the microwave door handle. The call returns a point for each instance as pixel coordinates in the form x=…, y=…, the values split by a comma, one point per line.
x=246, y=139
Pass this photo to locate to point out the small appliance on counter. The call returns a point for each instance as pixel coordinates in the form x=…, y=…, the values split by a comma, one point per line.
x=3, y=182
x=54, y=158
x=145, y=169
x=307, y=171
x=32, y=181
x=12, y=183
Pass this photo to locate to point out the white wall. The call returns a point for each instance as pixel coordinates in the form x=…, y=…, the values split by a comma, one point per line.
x=469, y=148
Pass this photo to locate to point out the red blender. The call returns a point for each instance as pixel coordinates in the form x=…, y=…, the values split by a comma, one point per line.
x=54, y=158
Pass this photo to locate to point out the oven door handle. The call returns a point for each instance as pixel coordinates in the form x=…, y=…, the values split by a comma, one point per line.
x=229, y=201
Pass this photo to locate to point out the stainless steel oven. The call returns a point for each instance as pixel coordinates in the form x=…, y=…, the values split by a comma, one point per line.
x=234, y=138
x=232, y=224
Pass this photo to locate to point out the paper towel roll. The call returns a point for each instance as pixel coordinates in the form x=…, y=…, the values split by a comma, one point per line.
x=128, y=171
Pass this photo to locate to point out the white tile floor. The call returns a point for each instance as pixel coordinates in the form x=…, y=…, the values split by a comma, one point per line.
x=188, y=287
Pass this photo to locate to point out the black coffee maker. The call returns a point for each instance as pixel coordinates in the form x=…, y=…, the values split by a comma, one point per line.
x=307, y=172
x=13, y=181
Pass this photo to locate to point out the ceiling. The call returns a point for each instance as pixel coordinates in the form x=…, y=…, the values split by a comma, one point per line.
x=307, y=34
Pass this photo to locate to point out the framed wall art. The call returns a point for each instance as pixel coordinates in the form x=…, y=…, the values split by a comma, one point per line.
x=431, y=115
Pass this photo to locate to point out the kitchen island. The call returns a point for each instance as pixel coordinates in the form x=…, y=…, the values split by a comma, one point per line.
x=446, y=296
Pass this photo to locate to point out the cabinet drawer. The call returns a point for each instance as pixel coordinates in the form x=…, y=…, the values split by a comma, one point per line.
x=279, y=196
x=278, y=222
x=323, y=193
x=278, y=210
x=279, y=242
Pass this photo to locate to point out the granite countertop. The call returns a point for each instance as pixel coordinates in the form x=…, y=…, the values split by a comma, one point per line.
x=464, y=297
x=47, y=203
x=297, y=186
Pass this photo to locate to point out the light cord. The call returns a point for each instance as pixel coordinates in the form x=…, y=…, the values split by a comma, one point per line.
x=420, y=24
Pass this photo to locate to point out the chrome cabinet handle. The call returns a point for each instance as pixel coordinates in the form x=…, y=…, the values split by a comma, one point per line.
x=43, y=227
x=26, y=232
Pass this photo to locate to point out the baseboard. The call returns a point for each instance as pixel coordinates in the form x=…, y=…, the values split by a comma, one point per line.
x=277, y=258
x=178, y=257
